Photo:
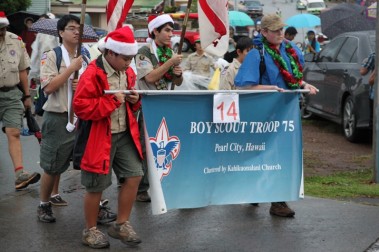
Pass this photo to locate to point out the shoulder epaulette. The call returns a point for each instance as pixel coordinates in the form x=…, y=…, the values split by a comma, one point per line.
x=14, y=36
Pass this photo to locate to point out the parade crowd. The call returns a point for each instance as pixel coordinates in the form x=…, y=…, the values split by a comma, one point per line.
x=106, y=134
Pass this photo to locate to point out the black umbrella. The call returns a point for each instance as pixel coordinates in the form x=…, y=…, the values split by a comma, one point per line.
x=49, y=26
x=16, y=21
x=345, y=17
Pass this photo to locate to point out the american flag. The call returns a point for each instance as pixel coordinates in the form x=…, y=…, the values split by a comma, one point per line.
x=117, y=10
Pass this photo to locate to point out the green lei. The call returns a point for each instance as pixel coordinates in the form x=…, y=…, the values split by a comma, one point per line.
x=164, y=54
x=293, y=80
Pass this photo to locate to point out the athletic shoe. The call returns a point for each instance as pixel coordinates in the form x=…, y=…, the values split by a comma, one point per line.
x=25, y=179
x=105, y=215
x=94, y=238
x=58, y=201
x=125, y=233
x=45, y=214
x=281, y=209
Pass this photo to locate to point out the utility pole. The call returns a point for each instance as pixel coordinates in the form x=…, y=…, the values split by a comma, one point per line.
x=375, y=132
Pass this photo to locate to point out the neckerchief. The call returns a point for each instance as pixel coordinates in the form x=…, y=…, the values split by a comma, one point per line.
x=293, y=80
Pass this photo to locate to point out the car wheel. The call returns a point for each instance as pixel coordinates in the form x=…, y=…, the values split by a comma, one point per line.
x=175, y=48
x=349, y=120
x=186, y=46
x=305, y=114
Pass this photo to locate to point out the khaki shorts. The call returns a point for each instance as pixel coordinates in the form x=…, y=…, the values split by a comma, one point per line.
x=125, y=162
x=57, y=143
x=11, y=108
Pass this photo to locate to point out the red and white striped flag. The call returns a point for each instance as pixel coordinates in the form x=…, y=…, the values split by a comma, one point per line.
x=117, y=10
x=214, y=26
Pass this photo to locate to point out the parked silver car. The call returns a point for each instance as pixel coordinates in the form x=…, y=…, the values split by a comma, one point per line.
x=344, y=93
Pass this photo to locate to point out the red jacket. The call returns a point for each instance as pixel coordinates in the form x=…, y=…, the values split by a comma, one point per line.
x=92, y=147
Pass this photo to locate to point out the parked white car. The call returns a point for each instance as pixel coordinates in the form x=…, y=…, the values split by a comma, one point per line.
x=141, y=36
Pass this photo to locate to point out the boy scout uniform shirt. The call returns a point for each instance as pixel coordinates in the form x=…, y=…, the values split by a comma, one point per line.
x=228, y=75
x=199, y=64
x=58, y=101
x=117, y=81
x=144, y=67
x=13, y=59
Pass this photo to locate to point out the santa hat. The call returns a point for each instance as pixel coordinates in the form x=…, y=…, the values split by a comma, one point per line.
x=156, y=21
x=3, y=20
x=122, y=41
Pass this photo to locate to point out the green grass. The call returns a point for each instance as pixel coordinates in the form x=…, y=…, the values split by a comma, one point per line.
x=350, y=185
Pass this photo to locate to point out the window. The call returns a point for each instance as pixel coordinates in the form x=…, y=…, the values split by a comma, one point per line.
x=329, y=52
x=347, y=51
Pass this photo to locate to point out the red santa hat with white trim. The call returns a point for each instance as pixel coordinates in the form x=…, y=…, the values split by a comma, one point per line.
x=157, y=21
x=122, y=41
x=3, y=20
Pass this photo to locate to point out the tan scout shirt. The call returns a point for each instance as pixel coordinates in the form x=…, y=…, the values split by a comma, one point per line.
x=117, y=81
x=228, y=75
x=144, y=67
x=13, y=59
x=58, y=101
x=199, y=64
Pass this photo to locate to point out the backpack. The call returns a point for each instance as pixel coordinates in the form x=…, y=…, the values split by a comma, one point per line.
x=41, y=98
x=262, y=65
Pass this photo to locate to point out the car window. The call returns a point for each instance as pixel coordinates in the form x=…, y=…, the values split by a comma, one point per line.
x=316, y=5
x=141, y=33
x=354, y=58
x=253, y=3
x=330, y=50
x=347, y=51
x=372, y=41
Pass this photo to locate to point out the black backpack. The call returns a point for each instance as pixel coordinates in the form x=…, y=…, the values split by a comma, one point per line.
x=262, y=65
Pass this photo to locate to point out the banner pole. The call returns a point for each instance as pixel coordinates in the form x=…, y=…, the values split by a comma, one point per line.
x=182, y=35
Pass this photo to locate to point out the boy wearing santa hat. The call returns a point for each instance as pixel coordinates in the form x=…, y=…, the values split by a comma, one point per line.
x=157, y=69
x=157, y=66
x=108, y=136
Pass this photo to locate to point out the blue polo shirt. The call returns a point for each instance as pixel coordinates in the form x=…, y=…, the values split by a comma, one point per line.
x=248, y=74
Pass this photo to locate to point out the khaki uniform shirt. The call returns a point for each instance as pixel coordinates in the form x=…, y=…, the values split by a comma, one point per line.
x=228, y=75
x=199, y=64
x=13, y=59
x=146, y=61
x=58, y=101
x=117, y=81
x=144, y=65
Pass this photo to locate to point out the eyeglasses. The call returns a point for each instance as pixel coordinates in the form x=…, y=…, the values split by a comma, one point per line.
x=73, y=29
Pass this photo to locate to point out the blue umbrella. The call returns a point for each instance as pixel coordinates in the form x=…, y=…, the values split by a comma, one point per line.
x=238, y=18
x=303, y=20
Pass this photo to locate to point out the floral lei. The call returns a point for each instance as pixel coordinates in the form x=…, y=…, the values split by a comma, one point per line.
x=164, y=54
x=293, y=81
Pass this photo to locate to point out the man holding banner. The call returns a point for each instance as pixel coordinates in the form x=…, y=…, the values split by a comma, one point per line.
x=283, y=70
x=157, y=69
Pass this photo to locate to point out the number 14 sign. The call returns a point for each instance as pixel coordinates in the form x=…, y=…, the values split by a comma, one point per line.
x=226, y=108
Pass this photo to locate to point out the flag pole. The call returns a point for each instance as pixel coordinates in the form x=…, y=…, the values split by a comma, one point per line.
x=78, y=51
x=184, y=28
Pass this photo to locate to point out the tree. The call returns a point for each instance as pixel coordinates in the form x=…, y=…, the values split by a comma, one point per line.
x=12, y=6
